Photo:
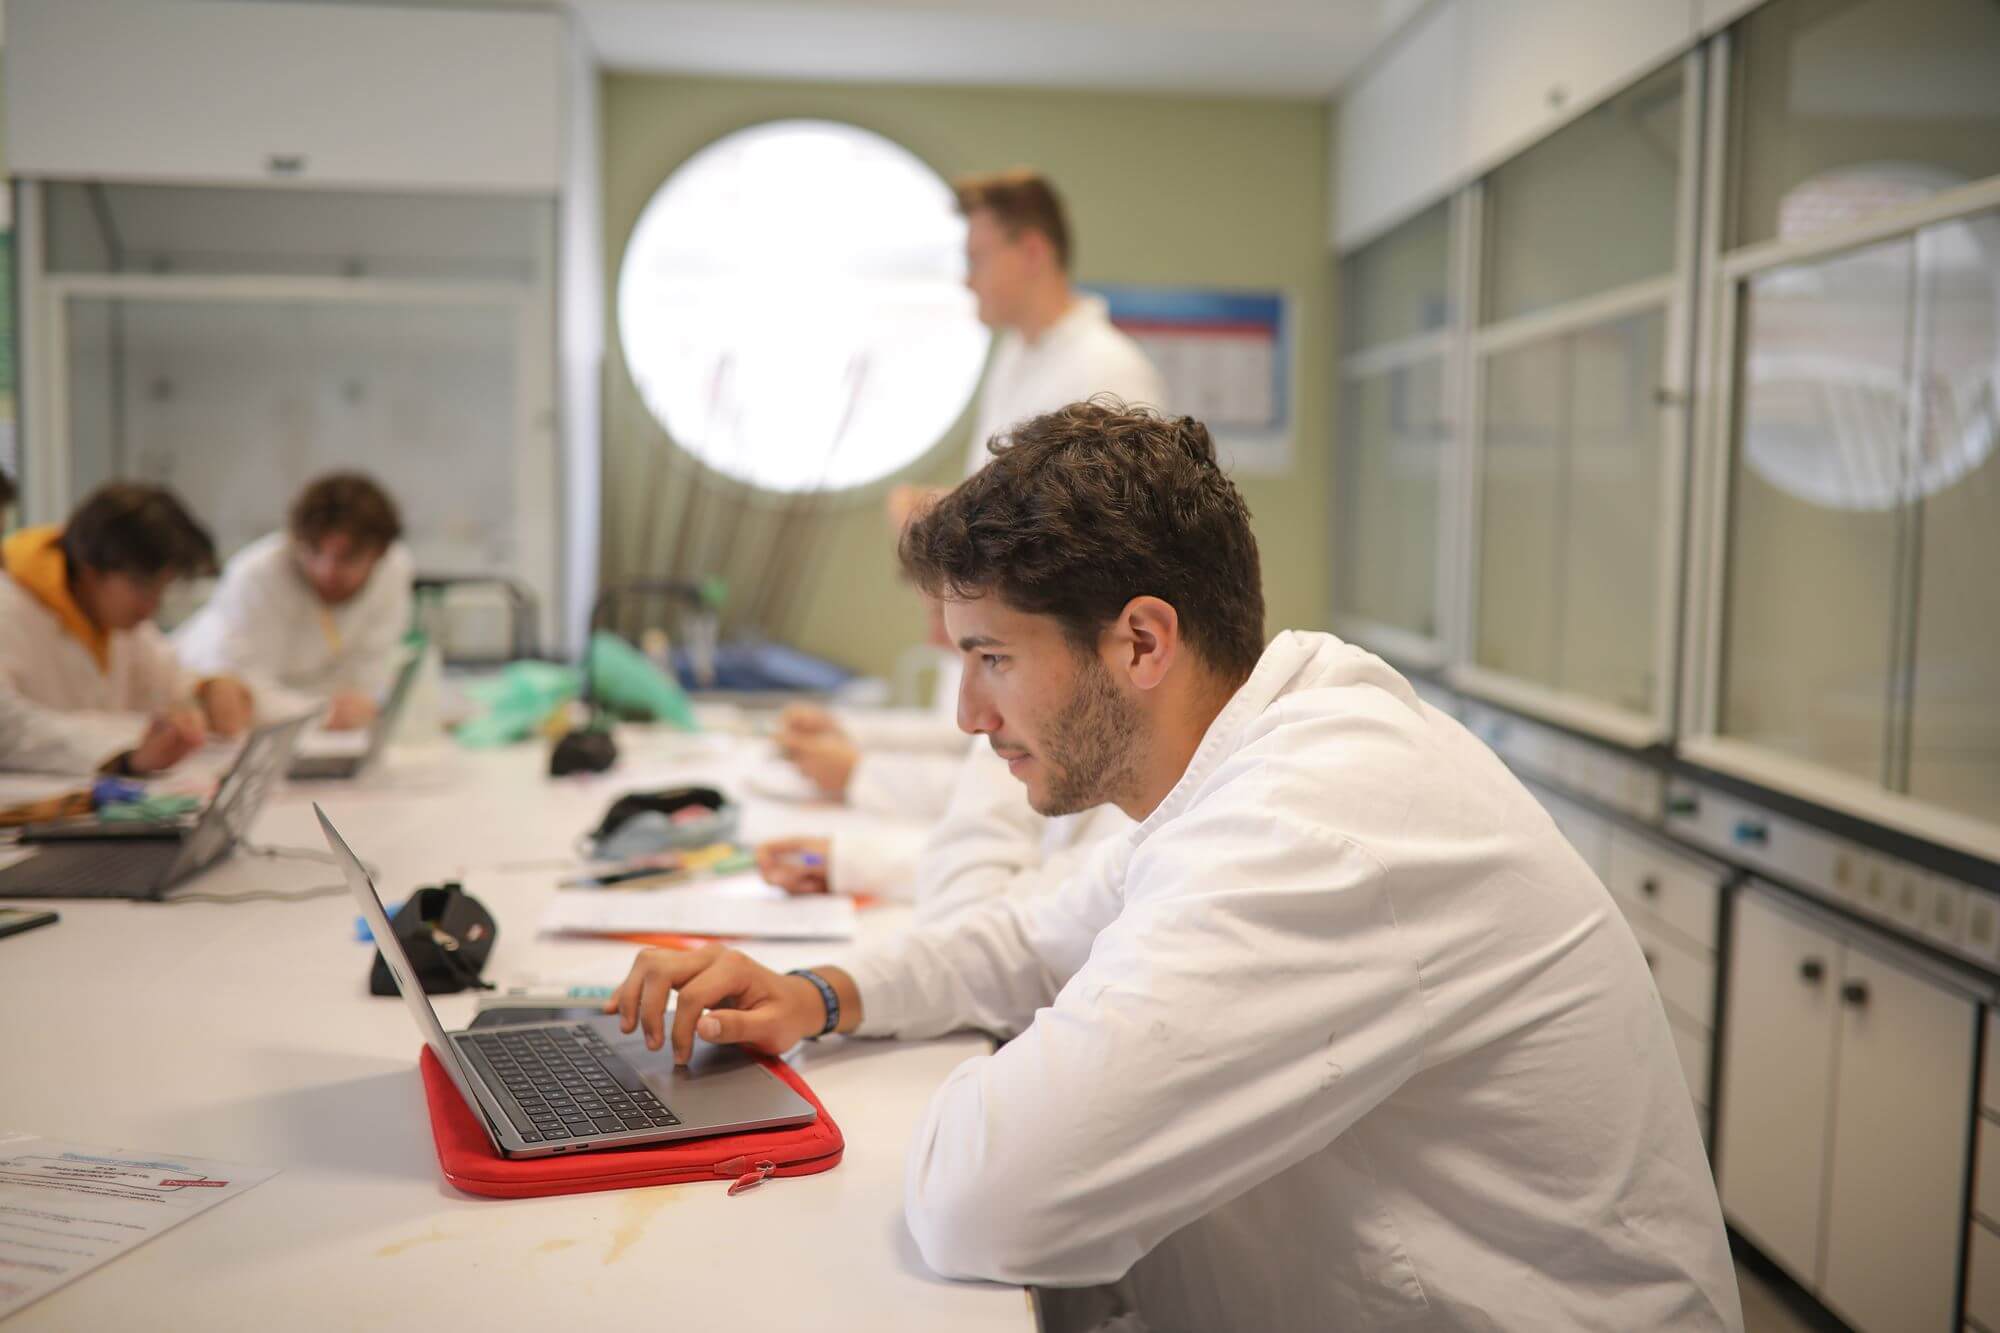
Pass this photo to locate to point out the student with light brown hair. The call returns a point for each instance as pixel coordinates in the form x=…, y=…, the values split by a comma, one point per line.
x=317, y=612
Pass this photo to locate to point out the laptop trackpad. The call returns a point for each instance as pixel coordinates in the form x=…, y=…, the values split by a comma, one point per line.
x=719, y=1084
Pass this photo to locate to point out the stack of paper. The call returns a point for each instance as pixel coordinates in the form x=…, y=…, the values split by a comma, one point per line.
x=65, y=1208
x=731, y=907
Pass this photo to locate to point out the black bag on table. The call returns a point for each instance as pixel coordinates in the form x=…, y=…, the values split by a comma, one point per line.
x=448, y=935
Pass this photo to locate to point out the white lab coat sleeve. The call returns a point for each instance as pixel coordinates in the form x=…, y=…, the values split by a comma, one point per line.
x=914, y=787
x=1210, y=1041
x=927, y=733
x=881, y=861
x=988, y=844
x=989, y=969
x=241, y=633
x=41, y=740
x=378, y=640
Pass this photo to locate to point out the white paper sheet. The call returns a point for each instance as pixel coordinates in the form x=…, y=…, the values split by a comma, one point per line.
x=66, y=1208
x=732, y=907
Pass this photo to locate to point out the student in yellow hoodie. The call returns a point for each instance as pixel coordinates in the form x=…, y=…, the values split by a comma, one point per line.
x=78, y=648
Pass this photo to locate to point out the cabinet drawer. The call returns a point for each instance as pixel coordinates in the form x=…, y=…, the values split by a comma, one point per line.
x=1681, y=893
x=1982, y=1278
x=1692, y=1047
x=1685, y=976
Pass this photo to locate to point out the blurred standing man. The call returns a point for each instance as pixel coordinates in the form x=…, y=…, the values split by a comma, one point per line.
x=1056, y=346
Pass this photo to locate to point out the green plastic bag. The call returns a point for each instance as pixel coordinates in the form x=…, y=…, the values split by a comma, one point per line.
x=627, y=681
x=524, y=693
x=515, y=702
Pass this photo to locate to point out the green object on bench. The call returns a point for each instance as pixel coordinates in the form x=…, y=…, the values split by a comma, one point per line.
x=624, y=681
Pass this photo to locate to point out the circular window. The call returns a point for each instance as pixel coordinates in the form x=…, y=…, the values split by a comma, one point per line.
x=793, y=310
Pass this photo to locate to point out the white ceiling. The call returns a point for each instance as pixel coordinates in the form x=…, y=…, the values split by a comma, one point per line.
x=1258, y=48
x=1267, y=48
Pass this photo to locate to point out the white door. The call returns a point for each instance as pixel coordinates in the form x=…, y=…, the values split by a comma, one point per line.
x=1777, y=1074
x=1902, y=1109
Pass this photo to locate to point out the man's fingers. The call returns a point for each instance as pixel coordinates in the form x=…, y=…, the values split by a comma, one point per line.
x=715, y=987
x=759, y=1027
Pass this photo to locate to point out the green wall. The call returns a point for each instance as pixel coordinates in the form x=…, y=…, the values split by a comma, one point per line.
x=1169, y=190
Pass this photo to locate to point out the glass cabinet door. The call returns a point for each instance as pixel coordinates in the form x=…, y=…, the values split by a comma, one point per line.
x=1569, y=510
x=1953, y=752
x=1391, y=446
x=1579, y=284
x=1389, y=469
x=1609, y=589
x=1521, y=507
x=1814, y=524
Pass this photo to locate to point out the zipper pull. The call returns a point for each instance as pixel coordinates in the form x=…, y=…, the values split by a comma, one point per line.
x=749, y=1175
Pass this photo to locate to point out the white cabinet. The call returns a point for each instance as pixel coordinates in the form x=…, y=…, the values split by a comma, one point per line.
x=1777, y=1069
x=1471, y=82
x=1527, y=66
x=334, y=95
x=1847, y=1091
x=1982, y=1260
x=1679, y=891
x=1899, y=1146
x=1396, y=145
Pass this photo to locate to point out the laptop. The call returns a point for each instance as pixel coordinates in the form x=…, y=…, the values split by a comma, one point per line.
x=93, y=860
x=539, y=1089
x=307, y=767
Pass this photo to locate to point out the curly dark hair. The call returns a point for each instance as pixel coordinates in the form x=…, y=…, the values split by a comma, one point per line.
x=349, y=502
x=128, y=527
x=1089, y=506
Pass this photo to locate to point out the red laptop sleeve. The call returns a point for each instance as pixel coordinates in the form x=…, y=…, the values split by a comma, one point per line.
x=470, y=1162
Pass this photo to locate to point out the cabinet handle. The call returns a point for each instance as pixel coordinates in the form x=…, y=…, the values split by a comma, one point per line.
x=1652, y=959
x=1812, y=971
x=1650, y=886
x=285, y=164
x=1855, y=993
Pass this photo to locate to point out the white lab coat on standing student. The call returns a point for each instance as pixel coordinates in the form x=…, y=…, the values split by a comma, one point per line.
x=1343, y=1035
x=1082, y=354
x=902, y=774
x=266, y=625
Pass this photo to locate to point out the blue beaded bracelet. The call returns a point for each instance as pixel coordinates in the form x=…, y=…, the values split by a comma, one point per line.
x=827, y=996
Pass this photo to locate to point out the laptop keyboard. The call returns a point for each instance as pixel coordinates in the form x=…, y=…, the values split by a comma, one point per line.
x=92, y=870
x=566, y=1083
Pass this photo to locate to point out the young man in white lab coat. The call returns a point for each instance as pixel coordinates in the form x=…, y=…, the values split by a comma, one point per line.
x=1055, y=346
x=1342, y=1035
x=316, y=613
x=87, y=681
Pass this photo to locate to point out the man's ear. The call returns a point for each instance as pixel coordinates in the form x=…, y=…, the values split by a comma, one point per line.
x=1145, y=641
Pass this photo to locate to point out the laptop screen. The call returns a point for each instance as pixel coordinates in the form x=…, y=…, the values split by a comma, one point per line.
x=363, y=888
x=240, y=796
